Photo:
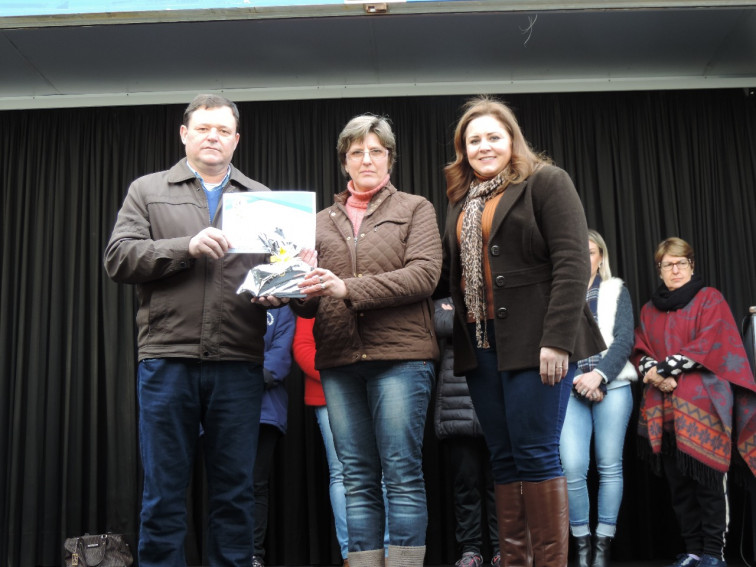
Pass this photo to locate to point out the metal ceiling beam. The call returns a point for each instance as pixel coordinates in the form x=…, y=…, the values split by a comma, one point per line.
x=354, y=8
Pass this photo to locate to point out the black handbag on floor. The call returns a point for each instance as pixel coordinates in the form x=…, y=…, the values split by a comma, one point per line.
x=101, y=550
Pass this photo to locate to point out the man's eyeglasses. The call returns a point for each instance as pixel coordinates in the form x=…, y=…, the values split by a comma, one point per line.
x=373, y=153
x=668, y=266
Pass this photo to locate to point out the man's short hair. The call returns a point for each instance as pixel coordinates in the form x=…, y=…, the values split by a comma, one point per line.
x=210, y=101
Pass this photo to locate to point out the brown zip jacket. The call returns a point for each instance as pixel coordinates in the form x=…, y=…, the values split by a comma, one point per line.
x=188, y=308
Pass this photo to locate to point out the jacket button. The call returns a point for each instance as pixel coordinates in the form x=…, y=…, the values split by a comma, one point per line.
x=501, y=313
x=495, y=251
x=500, y=281
x=364, y=356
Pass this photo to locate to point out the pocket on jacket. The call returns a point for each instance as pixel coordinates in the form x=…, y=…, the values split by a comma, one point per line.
x=172, y=319
x=393, y=227
x=524, y=277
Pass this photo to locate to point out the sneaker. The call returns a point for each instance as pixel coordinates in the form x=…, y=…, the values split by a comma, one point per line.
x=470, y=559
x=257, y=561
x=496, y=560
x=711, y=561
x=684, y=560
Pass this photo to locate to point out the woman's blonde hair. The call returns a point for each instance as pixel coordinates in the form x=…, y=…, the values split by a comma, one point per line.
x=358, y=128
x=604, y=270
x=524, y=160
x=674, y=246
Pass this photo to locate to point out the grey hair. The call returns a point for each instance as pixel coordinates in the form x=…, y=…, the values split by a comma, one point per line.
x=604, y=270
x=358, y=128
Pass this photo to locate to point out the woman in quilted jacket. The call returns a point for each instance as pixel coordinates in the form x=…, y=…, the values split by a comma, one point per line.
x=378, y=262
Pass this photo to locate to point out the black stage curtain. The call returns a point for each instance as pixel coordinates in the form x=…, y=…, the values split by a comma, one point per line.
x=647, y=165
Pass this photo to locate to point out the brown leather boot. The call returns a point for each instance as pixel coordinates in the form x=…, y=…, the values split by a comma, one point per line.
x=548, y=519
x=514, y=537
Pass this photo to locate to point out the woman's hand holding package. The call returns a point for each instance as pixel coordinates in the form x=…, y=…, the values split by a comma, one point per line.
x=320, y=282
x=309, y=257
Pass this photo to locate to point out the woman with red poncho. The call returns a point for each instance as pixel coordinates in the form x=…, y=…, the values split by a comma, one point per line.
x=699, y=395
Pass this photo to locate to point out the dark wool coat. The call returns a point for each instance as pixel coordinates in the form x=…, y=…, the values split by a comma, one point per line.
x=538, y=253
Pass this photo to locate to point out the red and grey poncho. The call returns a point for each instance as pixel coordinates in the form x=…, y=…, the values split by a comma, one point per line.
x=710, y=400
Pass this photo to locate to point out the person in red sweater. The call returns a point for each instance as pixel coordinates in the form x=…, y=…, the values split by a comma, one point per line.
x=303, y=349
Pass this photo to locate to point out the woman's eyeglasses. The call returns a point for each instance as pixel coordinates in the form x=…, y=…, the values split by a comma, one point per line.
x=668, y=266
x=373, y=153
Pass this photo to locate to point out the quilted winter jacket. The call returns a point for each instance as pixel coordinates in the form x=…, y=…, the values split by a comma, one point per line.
x=188, y=307
x=390, y=270
x=454, y=414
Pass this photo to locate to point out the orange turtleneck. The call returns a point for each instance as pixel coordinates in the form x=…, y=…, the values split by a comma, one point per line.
x=485, y=224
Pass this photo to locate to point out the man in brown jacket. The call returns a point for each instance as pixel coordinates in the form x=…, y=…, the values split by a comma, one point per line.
x=200, y=344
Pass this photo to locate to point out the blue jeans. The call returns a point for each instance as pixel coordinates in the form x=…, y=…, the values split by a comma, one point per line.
x=607, y=422
x=377, y=412
x=336, y=485
x=521, y=417
x=176, y=397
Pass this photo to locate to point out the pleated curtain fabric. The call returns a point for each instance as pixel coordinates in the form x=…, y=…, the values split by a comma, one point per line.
x=647, y=165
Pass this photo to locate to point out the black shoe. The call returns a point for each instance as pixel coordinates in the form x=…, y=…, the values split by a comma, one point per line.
x=470, y=559
x=685, y=560
x=711, y=561
x=601, y=545
x=583, y=549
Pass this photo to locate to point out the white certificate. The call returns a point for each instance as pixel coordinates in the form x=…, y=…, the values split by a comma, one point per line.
x=249, y=215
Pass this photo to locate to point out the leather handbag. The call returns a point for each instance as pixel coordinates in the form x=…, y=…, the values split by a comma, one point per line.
x=100, y=550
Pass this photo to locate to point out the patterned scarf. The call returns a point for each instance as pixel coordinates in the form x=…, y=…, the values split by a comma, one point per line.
x=471, y=252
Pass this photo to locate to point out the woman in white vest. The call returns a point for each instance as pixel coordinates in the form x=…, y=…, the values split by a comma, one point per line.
x=599, y=408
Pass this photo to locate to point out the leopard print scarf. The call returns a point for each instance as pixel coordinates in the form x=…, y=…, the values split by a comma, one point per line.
x=471, y=252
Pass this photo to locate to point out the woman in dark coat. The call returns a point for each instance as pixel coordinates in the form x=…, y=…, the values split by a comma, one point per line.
x=516, y=268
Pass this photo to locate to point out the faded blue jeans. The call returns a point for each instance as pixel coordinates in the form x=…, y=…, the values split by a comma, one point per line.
x=606, y=422
x=377, y=412
x=336, y=484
